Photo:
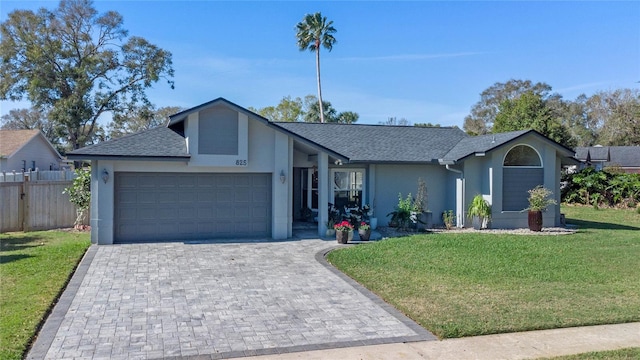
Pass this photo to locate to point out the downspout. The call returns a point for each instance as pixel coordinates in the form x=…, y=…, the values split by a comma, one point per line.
x=460, y=216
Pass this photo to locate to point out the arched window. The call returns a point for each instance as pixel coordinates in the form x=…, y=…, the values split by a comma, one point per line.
x=522, y=155
x=522, y=170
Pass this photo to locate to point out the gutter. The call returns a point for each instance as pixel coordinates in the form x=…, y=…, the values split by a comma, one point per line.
x=459, y=216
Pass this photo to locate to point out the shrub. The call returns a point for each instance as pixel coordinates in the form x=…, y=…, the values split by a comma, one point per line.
x=601, y=188
x=80, y=193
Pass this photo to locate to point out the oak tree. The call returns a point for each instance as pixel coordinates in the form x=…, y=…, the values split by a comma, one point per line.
x=77, y=64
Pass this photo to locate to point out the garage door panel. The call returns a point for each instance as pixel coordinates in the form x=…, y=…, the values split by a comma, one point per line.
x=186, y=182
x=161, y=206
x=225, y=180
x=147, y=197
x=224, y=196
x=167, y=197
x=243, y=196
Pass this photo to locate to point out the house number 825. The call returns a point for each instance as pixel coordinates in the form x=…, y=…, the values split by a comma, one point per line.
x=241, y=162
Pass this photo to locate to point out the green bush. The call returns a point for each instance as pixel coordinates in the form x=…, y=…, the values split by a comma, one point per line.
x=601, y=188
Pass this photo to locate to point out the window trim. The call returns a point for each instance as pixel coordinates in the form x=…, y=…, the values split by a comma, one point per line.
x=332, y=175
x=523, y=166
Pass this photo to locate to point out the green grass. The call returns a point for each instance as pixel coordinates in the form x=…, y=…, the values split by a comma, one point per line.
x=622, y=354
x=34, y=268
x=470, y=284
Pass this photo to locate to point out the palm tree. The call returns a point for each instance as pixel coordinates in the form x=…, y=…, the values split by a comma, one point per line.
x=314, y=30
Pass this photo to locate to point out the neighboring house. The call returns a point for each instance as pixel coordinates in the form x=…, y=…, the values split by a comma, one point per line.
x=221, y=171
x=24, y=150
x=626, y=158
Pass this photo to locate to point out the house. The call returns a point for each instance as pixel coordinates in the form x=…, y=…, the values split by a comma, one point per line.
x=219, y=170
x=24, y=150
x=627, y=158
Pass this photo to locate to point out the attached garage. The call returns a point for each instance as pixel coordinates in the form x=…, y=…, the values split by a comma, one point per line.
x=191, y=206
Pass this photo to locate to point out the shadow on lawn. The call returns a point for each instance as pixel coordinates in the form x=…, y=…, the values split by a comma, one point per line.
x=585, y=225
x=21, y=243
x=5, y=259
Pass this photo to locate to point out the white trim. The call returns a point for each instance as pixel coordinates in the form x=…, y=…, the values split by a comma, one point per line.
x=523, y=167
x=363, y=171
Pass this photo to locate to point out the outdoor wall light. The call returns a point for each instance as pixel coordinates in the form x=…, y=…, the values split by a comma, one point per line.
x=283, y=177
x=105, y=175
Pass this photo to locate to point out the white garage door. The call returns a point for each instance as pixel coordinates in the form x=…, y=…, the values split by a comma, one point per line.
x=171, y=206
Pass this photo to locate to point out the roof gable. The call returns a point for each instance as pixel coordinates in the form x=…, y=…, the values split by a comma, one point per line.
x=12, y=141
x=181, y=116
x=486, y=143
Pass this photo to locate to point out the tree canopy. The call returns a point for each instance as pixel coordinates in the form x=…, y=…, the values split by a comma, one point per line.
x=605, y=118
x=307, y=110
x=529, y=111
x=76, y=64
x=314, y=32
x=140, y=118
x=484, y=112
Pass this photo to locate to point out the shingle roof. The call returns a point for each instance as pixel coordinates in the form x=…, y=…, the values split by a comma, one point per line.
x=482, y=143
x=626, y=156
x=160, y=142
x=12, y=140
x=379, y=143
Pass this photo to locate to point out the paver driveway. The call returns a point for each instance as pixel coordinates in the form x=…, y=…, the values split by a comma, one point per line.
x=216, y=301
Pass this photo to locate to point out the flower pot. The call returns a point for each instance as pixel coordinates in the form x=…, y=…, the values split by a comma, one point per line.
x=476, y=223
x=373, y=223
x=343, y=236
x=535, y=220
x=364, y=234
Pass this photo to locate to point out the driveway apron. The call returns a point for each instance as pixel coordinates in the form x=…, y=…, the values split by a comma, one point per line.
x=215, y=300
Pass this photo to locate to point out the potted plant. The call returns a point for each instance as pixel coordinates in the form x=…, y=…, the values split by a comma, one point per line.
x=364, y=231
x=373, y=220
x=421, y=212
x=330, y=230
x=401, y=216
x=448, y=218
x=480, y=212
x=343, y=229
x=540, y=198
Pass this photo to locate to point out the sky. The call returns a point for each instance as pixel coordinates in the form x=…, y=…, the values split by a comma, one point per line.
x=424, y=61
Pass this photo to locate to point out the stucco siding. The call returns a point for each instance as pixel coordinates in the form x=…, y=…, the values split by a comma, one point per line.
x=502, y=218
x=218, y=131
x=393, y=179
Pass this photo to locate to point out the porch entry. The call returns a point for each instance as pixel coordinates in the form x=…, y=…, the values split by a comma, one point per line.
x=347, y=190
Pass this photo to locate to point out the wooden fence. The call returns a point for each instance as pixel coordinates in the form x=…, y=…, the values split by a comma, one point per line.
x=55, y=175
x=35, y=205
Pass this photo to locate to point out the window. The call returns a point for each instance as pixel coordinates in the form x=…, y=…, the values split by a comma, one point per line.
x=522, y=155
x=347, y=188
x=522, y=170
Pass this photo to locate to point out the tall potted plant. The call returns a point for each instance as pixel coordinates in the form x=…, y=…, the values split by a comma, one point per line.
x=540, y=198
x=480, y=212
x=421, y=211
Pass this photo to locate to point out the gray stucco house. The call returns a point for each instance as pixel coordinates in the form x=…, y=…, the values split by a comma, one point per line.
x=219, y=170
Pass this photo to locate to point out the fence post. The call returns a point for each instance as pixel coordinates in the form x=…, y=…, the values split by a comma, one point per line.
x=23, y=212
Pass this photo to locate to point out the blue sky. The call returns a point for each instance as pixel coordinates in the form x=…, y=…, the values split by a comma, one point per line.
x=420, y=60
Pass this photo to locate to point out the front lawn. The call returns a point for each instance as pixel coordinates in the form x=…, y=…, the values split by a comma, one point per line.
x=34, y=268
x=469, y=284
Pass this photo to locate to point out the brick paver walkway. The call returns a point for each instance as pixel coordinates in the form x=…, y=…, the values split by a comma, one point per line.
x=216, y=301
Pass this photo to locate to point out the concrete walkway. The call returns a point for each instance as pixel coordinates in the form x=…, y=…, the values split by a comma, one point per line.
x=523, y=345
